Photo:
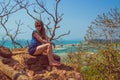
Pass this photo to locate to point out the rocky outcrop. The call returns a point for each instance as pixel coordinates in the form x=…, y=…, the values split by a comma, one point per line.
x=10, y=72
x=23, y=66
x=5, y=52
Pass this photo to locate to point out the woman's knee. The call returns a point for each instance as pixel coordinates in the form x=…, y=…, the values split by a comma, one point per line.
x=49, y=44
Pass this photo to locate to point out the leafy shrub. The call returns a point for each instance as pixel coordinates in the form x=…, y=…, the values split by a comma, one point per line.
x=101, y=65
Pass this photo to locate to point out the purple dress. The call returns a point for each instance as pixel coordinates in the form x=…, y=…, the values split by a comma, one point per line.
x=33, y=44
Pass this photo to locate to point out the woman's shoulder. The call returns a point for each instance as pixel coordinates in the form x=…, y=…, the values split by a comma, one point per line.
x=34, y=31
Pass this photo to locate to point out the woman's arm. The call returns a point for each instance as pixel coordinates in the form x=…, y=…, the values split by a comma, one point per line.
x=39, y=38
x=48, y=39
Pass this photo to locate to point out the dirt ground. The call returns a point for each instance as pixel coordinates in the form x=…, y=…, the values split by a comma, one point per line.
x=3, y=76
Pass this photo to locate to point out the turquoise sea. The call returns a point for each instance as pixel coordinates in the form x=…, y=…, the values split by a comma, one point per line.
x=62, y=46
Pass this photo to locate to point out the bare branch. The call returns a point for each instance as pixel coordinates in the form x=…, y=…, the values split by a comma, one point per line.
x=42, y=6
x=24, y=6
x=18, y=31
x=48, y=29
x=39, y=9
x=7, y=9
x=61, y=35
x=105, y=27
x=30, y=14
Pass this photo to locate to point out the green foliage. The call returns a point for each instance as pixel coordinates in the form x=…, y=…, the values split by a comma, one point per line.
x=105, y=28
x=102, y=65
x=99, y=57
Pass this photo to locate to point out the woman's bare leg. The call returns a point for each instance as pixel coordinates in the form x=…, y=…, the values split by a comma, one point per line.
x=47, y=47
x=50, y=56
x=40, y=49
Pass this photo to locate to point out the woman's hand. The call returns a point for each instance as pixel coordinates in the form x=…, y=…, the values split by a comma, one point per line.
x=52, y=43
x=47, y=40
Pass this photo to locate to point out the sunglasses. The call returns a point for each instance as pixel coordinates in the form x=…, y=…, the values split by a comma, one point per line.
x=38, y=25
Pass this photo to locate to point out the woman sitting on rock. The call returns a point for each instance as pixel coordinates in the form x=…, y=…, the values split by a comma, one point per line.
x=41, y=43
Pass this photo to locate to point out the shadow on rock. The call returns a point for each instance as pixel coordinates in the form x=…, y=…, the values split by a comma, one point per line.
x=38, y=63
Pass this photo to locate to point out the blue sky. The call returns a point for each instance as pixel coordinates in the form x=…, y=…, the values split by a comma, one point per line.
x=78, y=15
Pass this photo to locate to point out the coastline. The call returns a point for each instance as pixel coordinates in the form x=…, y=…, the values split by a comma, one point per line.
x=23, y=42
x=62, y=47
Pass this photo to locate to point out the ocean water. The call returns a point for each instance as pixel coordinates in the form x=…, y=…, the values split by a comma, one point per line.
x=8, y=43
x=62, y=46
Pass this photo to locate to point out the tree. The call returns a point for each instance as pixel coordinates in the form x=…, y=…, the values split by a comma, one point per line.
x=105, y=28
x=38, y=8
x=32, y=8
x=101, y=36
x=7, y=8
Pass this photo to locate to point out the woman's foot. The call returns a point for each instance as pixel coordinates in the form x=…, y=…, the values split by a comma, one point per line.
x=55, y=64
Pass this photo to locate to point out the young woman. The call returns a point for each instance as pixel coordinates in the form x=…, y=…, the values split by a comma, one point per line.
x=41, y=43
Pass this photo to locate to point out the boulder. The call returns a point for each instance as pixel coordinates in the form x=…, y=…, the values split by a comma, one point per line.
x=5, y=52
x=10, y=72
x=37, y=68
x=23, y=66
x=35, y=63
